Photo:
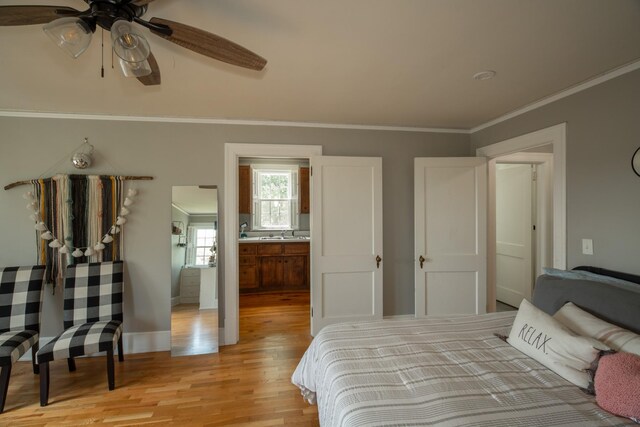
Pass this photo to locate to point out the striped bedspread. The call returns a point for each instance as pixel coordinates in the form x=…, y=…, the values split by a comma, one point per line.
x=447, y=371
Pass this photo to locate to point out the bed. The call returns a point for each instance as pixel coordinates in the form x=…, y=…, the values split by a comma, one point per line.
x=453, y=370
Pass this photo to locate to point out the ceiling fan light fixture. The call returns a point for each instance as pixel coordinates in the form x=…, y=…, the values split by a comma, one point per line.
x=135, y=69
x=127, y=44
x=71, y=34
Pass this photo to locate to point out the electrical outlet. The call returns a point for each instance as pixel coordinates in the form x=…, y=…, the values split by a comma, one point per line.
x=587, y=246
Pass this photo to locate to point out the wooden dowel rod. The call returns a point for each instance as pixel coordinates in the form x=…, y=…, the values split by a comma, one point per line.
x=126, y=178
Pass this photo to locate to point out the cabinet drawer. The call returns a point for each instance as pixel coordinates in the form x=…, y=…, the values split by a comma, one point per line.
x=190, y=281
x=191, y=272
x=247, y=260
x=296, y=248
x=247, y=248
x=190, y=291
x=270, y=249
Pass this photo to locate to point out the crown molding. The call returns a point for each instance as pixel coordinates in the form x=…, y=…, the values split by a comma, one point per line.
x=214, y=121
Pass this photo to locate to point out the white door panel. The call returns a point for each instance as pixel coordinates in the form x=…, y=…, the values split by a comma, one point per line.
x=514, y=254
x=347, y=228
x=450, y=228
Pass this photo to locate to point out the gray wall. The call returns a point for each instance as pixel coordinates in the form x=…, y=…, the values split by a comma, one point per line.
x=603, y=193
x=177, y=252
x=190, y=154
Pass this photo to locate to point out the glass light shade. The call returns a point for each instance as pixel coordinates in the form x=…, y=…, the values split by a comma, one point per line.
x=135, y=69
x=71, y=34
x=127, y=44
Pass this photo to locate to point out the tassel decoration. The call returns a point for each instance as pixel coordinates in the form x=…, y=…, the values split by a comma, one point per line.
x=32, y=206
x=124, y=212
x=99, y=246
x=132, y=192
x=120, y=220
x=55, y=243
x=127, y=201
x=64, y=249
x=107, y=239
x=41, y=226
x=28, y=195
x=46, y=235
x=89, y=252
x=77, y=253
x=114, y=229
x=34, y=217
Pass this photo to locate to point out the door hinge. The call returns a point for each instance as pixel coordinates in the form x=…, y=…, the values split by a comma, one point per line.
x=534, y=227
x=534, y=175
x=311, y=171
x=311, y=311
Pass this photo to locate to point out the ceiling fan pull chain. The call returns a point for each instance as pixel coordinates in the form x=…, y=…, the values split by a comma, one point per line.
x=102, y=54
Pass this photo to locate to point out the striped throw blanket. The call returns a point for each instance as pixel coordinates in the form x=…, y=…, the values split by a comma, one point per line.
x=446, y=371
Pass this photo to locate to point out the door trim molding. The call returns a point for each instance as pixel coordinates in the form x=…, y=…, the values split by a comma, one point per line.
x=230, y=220
x=556, y=136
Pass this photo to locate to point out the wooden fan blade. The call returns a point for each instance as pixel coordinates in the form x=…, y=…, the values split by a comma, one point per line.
x=210, y=45
x=30, y=15
x=152, y=79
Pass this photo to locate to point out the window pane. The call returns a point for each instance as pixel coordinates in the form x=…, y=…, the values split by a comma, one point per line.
x=275, y=214
x=275, y=185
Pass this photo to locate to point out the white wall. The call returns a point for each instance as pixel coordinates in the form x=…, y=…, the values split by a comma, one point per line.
x=177, y=252
x=191, y=154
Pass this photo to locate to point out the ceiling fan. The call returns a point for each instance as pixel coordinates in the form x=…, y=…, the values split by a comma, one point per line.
x=71, y=30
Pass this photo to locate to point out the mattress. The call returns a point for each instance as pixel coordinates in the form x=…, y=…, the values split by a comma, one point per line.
x=447, y=371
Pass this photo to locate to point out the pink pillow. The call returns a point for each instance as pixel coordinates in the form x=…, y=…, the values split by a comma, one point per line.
x=617, y=384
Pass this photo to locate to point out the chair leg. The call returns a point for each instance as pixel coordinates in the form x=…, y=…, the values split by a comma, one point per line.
x=4, y=385
x=120, y=350
x=34, y=351
x=72, y=364
x=44, y=383
x=110, y=370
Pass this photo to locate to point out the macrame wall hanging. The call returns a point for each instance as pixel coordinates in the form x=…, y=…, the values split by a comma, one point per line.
x=78, y=218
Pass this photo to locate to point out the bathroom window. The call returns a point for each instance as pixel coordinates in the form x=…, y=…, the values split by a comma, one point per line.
x=275, y=197
x=201, y=244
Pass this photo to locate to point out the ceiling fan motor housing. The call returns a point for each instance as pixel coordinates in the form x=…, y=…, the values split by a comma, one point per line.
x=105, y=12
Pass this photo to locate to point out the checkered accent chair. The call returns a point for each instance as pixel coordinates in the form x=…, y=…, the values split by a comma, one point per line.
x=92, y=319
x=20, y=301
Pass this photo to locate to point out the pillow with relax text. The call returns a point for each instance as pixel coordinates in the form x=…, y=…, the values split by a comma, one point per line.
x=546, y=340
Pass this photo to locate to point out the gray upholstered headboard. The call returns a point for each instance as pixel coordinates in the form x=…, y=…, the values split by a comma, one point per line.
x=611, y=302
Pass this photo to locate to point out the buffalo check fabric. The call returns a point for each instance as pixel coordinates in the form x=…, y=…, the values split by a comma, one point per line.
x=79, y=340
x=20, y=300
x=13, y=344
x=93, y=292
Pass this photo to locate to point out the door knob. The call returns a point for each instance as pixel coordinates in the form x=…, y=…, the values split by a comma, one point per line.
x=378, y=259
x=422, y=260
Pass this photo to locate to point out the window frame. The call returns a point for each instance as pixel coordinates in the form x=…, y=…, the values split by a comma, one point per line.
x=294, y=203
x=192, y=253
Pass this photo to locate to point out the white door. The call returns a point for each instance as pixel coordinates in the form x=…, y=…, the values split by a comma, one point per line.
x=514, y=224
x=346, y=249
x=450, y=229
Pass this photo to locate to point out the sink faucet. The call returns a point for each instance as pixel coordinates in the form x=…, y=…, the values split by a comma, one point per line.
x=293, y=233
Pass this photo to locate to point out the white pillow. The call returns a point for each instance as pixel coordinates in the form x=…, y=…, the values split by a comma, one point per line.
x=546, y=340
x=588, y=325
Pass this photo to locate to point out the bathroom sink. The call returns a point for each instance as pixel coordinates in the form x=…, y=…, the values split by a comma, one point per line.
x=272, y=238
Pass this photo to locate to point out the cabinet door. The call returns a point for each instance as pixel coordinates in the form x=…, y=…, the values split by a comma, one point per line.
x=271, y=273
x=295, y=272
x=244, y=185
x=248, y=278
x=305, y=206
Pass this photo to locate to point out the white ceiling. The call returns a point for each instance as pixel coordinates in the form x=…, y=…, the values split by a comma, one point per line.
x=364, y=62
x=195, y=200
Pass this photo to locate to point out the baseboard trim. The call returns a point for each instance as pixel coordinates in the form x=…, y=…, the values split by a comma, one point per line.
x=132, y=342
x=175, y=301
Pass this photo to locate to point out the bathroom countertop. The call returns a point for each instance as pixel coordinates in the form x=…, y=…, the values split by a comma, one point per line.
x=287, y=239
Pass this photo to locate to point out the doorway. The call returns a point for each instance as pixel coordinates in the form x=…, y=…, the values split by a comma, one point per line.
x=547, y=149
x=194, y=290
x=233, y=153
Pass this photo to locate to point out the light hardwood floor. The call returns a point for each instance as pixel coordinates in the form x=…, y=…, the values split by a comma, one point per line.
x=193, y=331
x=245, y=384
